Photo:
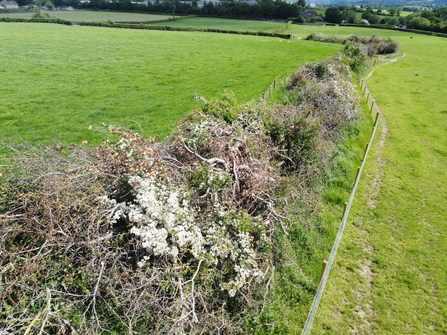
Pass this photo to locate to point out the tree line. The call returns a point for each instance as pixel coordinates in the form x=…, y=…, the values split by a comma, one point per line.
x=265, y=9
x=432, y=20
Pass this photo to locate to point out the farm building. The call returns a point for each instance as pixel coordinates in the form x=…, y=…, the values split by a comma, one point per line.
x=310, y=13
x=9, y=5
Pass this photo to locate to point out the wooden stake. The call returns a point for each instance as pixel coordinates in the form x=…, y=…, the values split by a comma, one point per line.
x=372, y=106
x=366, y=150
x=263, y=95
x=274, y=83
x=377, y=119
x=323, y=268
x=357, y=175
x=364, y=90
x=345, y=207
x=367, y=98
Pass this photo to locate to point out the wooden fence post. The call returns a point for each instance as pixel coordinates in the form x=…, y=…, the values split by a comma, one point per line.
x=345, y=207
x=274, y=83
x=366, y=150
x=372, y=105
x=357, y=175
x=323, y=268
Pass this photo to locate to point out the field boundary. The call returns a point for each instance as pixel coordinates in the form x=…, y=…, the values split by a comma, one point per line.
x=327, y=265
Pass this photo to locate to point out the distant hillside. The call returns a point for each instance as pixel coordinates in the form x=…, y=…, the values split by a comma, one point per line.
x=385, y=3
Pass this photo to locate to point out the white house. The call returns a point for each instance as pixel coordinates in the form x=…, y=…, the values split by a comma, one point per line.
x=9, y=5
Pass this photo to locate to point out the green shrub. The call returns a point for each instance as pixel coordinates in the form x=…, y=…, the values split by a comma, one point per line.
x=297, y=136
x=224, y=107
x=387, y=46
x=353, y=55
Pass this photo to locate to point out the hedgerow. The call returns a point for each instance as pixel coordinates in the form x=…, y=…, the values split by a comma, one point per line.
x=357, y=49
x=171, y=237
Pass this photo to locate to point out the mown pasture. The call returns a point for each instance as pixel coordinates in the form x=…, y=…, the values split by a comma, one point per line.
x=389, y=276
x=62, y=82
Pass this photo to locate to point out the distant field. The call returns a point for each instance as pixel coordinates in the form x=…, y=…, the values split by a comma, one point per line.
x=241, y=25
x=61, y=82
x=79, y=15
x=344, y=31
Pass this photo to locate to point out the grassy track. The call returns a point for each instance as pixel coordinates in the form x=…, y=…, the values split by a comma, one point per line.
x=79, y=15
x=57, y=81
x=390, y=276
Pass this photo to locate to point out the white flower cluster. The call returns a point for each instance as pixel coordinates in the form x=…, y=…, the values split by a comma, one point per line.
x=162, y=219
x=199, y=134
x=166, y=223
x=339, y=71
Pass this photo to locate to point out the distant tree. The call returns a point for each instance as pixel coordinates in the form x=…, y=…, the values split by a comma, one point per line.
x=267, y=7
x=371, y=18
x=418, y=22
x=167, y=6
x=333, y=15
x=350, y=16
x=302, y=3
x=24, y=2
x=49, y=5
x=392, y=11
x=208, y=8
x=441, y=13
x=391, y=21
x=430, y=15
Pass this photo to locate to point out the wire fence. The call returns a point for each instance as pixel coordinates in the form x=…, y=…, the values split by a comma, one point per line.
x=268, y=94
x=327, y=265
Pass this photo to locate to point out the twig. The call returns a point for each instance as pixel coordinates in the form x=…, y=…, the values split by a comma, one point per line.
x=11, y=217
x=211, y=161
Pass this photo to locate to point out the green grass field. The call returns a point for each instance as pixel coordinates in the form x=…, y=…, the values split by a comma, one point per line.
x=390, y=272
x=61, y=82
x=80, y=15
x=231, y=24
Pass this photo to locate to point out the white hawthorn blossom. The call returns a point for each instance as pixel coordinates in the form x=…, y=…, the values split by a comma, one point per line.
x=166, y=224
